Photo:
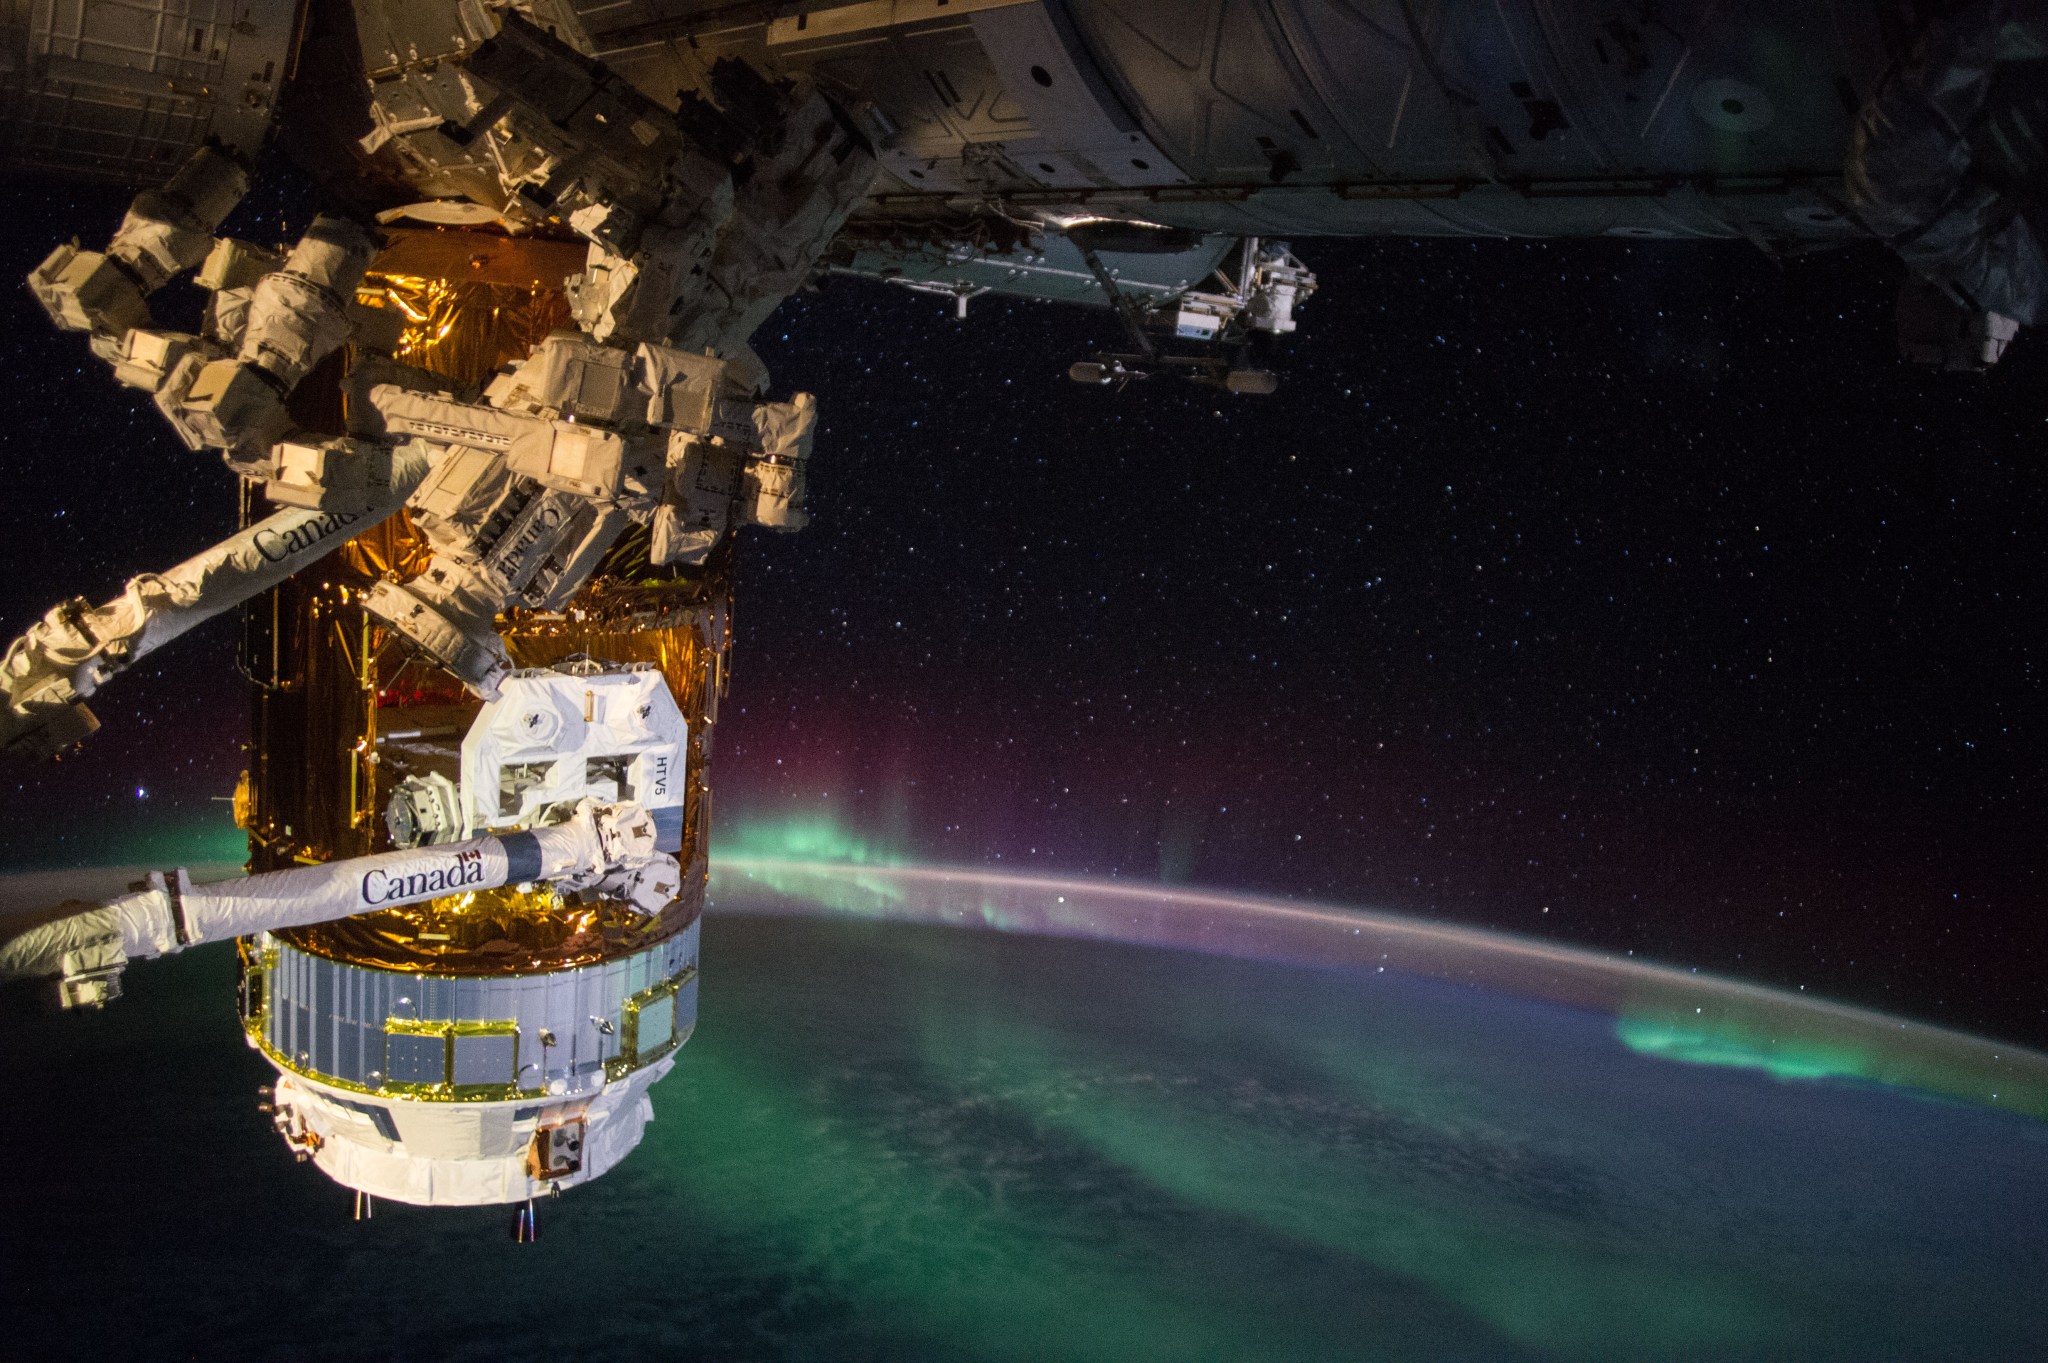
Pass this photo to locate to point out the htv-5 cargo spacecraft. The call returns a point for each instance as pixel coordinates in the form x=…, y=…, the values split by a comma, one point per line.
x=495, y=420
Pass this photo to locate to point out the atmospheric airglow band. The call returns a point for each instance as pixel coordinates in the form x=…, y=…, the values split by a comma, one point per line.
x=1660, y=1012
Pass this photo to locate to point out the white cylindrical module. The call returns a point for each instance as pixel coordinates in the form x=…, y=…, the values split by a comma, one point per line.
x=466, y=1090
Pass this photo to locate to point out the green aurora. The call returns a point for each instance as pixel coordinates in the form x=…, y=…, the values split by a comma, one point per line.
x=1079, y=1157
x=1664, y=1013
x=892, y=1141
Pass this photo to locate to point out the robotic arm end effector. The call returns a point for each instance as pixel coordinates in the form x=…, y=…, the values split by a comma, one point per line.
x=44, y=727
x=463, y=641
x=166, y=231
x=44, y=677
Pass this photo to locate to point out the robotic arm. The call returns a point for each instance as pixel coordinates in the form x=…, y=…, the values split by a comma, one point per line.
x=651, y=414
x=166, y=232
x=76, y=648
x=567, y=449
x=609, y=848
x=269, y=323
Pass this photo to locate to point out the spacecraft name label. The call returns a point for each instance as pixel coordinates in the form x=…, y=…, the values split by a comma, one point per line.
x=412, y=883
x=278, y=547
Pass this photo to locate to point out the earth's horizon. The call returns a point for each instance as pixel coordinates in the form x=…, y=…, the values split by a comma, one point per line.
x=1299, y=1133
x=1658, y=1004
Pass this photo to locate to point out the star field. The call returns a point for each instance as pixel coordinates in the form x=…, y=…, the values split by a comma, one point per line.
x=1636, y=596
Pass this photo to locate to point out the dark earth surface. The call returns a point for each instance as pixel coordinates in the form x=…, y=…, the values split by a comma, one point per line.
x=891, y=1141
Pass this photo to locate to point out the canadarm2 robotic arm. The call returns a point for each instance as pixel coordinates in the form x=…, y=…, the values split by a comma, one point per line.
x=73, y=650
x=651, y=415
x=609, y=848
x=270, y=321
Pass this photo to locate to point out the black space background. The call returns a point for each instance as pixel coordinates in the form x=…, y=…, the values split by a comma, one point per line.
x=1628, y=594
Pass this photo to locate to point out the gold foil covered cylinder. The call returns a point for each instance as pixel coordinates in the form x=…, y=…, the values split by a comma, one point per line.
x=333, y=687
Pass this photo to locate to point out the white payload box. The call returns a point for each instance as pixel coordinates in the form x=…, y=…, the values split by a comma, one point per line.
x=580, y=730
